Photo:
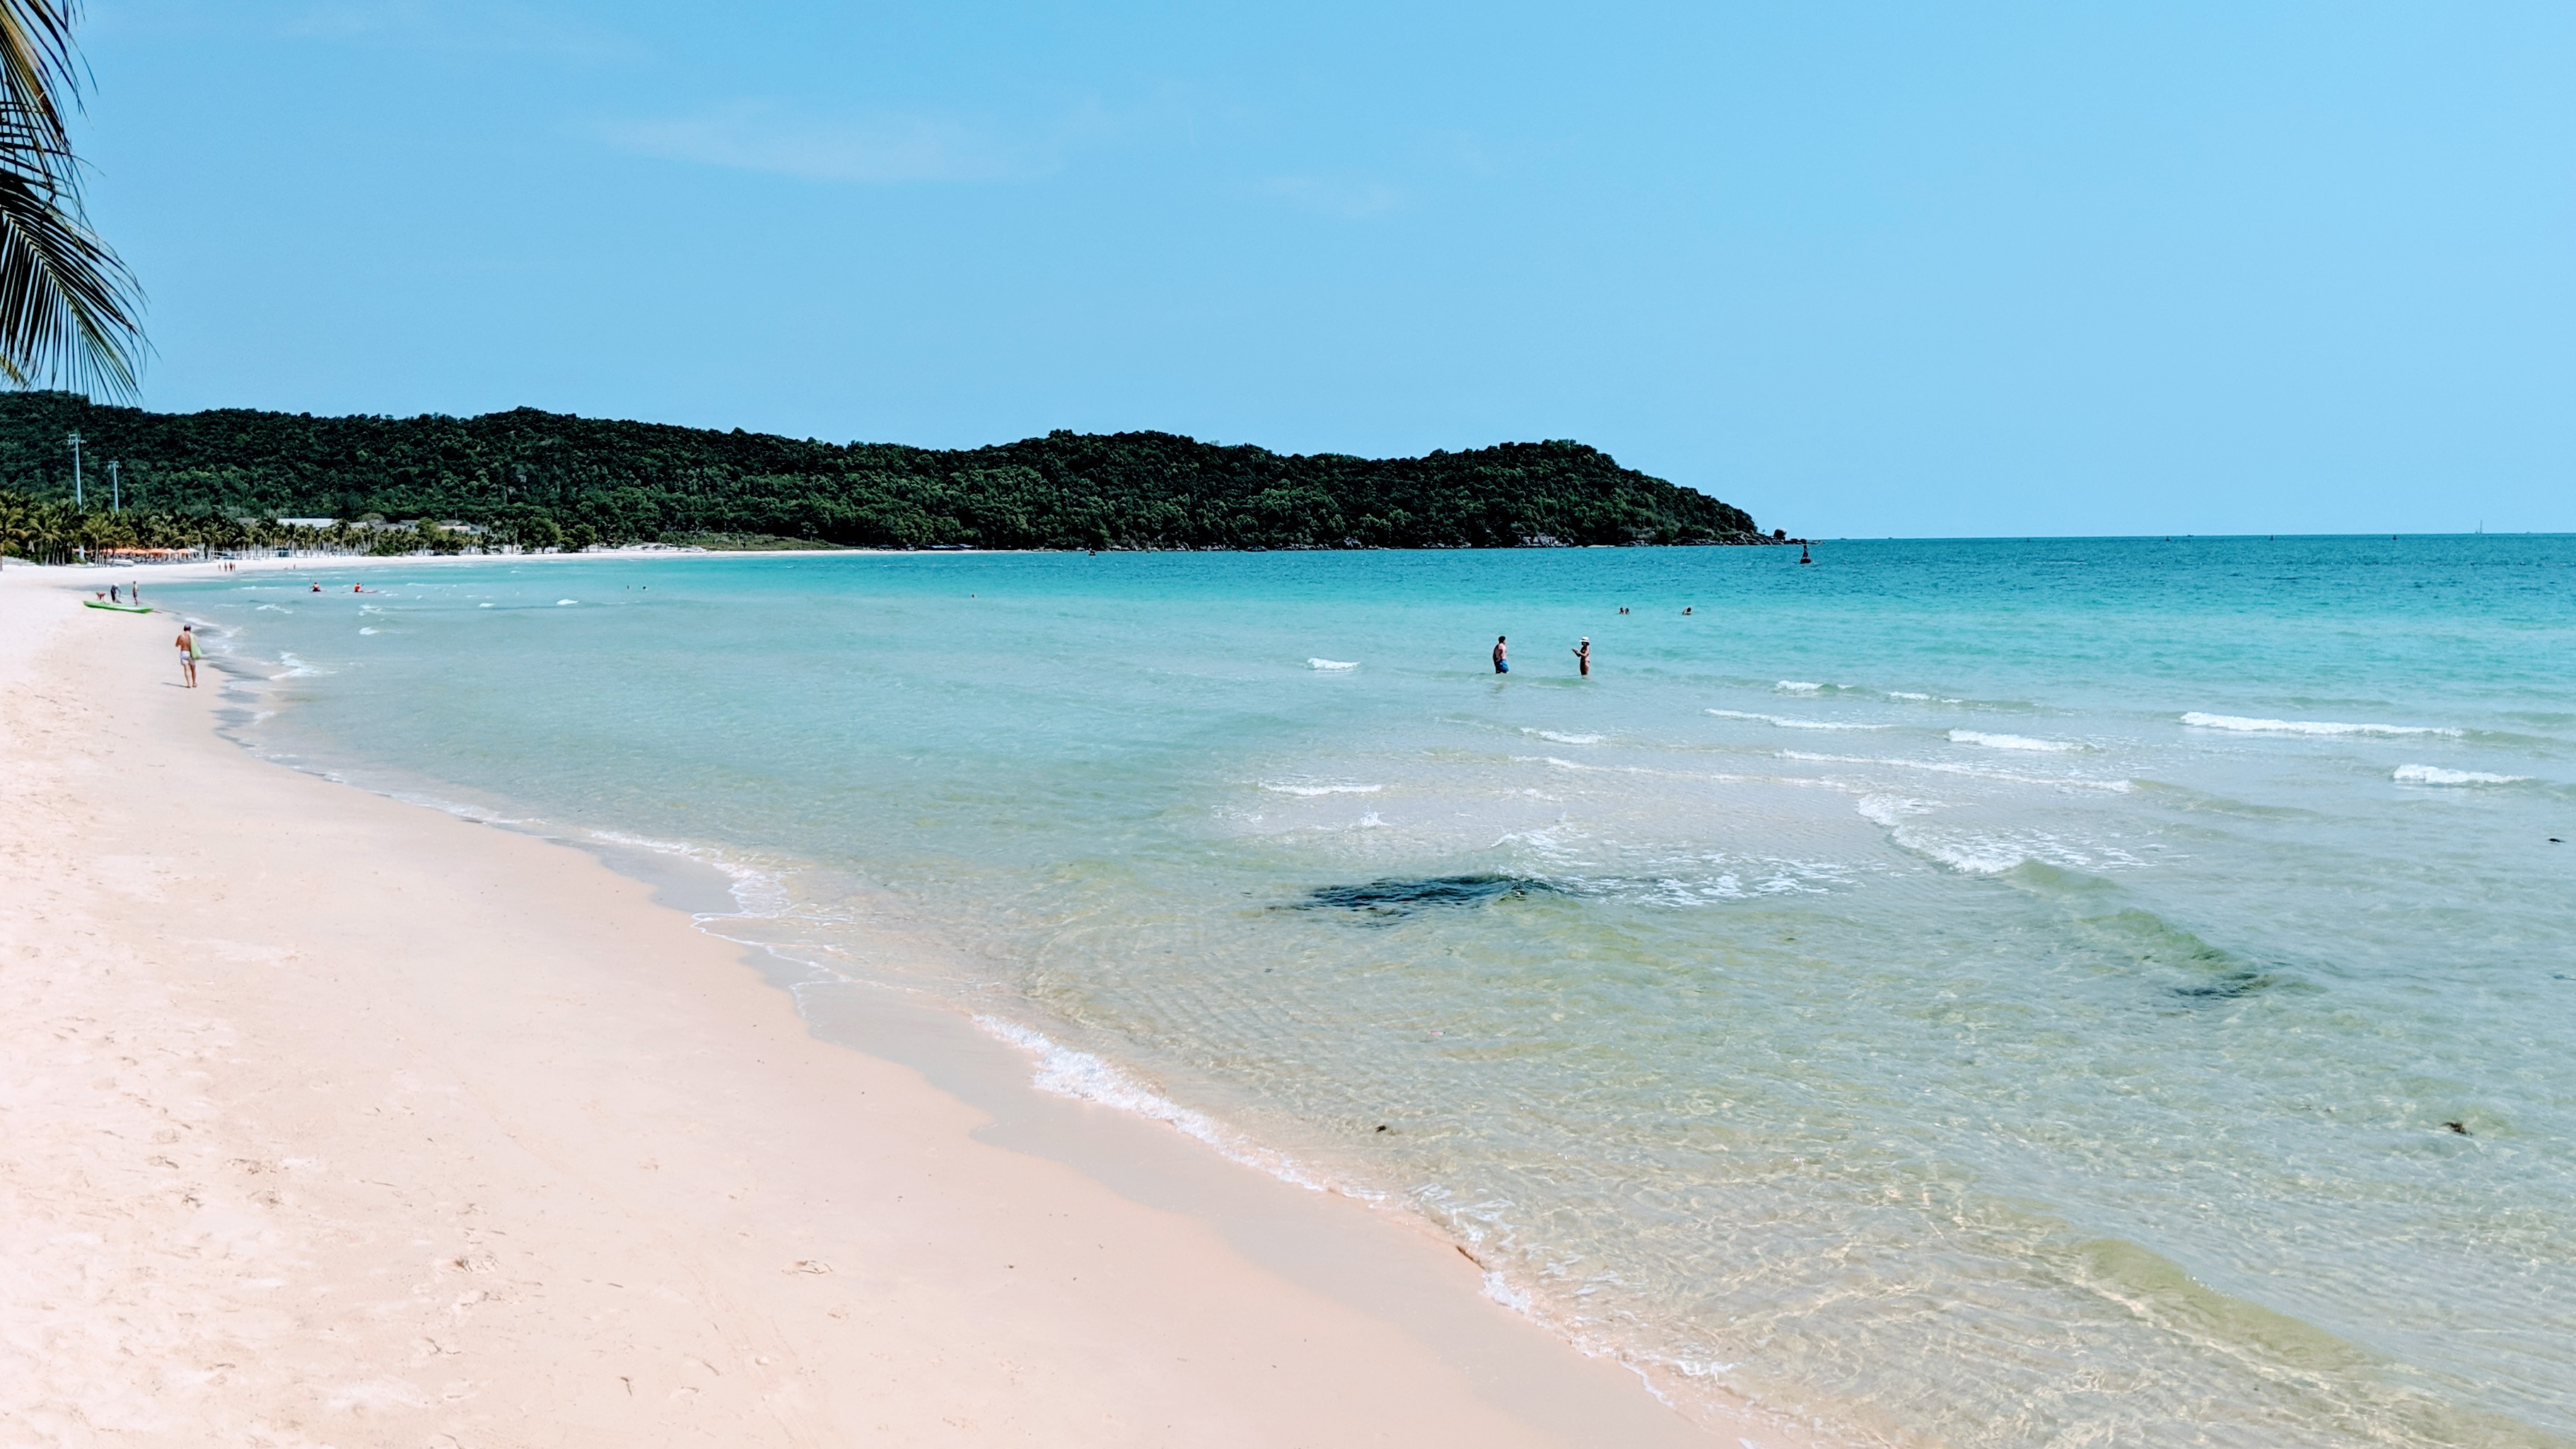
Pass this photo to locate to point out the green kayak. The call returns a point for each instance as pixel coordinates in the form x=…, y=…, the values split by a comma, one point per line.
x=120, y=608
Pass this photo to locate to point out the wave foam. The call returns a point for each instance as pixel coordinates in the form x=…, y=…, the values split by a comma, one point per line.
x=559, y=603
x=1798, y=724
x=1288, y=789
x=2013, y=742
x=757, y=892
x=1953, y=767
x=1971, y=854
x=1332, y=664
x=1799, y=686
x=2244, y=725
x=1065, y=1072
x=1562, y=739
x=2436, y=775
x=1890, y=810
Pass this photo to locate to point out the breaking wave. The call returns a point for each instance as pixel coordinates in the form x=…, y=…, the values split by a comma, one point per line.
x=2436, y=775
x=2243, y=725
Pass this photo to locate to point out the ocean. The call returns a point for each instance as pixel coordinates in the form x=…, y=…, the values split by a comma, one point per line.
x=1979, y=993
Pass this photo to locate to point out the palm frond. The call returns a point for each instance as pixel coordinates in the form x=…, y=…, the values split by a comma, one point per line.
x=39, y=70
x=69, y=310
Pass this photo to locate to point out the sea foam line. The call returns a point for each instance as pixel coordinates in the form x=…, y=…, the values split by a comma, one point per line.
x=2243, y=725
x=1980, y=854
x=1798, y=724
x=1282, y=788
x=1332, y=664
x=1065, y=1072
x=1979, y=772
x=2436, y=775
x=2013, y=742
x=757, y=892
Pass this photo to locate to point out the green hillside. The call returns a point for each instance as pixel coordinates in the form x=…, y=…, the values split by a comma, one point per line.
x=543, y=479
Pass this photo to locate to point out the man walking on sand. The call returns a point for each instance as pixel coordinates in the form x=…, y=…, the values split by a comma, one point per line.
x=187, y=642
x=1502, y=660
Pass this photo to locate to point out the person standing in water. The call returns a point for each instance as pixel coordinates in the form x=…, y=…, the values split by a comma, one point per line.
x=1502, y=656
x=187, y=642
x=1583, y=657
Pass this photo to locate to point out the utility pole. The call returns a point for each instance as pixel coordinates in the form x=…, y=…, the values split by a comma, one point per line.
x=115, y=486
x=76, y=481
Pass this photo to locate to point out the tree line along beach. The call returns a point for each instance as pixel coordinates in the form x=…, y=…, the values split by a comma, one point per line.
x=532, y=480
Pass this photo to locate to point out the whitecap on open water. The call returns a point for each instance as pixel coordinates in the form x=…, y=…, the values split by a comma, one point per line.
x=2152, y=1027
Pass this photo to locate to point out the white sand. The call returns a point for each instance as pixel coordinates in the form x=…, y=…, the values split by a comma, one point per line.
x=326, y=1119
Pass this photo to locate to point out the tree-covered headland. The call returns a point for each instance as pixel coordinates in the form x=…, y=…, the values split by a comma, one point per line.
x=531, y=479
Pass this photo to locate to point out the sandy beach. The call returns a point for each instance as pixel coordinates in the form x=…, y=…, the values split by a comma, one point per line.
x=331, y=1119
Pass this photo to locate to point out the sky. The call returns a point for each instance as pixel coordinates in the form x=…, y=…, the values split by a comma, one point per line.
x=1888, y=269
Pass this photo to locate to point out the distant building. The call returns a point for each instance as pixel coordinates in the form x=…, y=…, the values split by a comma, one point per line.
x=306, y=522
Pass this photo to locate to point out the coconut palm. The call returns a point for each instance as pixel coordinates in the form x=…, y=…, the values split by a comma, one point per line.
x=69, y=311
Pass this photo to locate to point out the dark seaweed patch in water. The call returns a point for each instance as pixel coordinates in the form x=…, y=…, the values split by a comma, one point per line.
x=2224, y=975
x=2230, y=986
x=1395, y=897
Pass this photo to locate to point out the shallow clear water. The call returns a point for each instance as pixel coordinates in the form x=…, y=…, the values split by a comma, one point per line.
x=1980, y=993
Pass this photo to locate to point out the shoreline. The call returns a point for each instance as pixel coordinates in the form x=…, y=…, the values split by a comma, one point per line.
x=604, y=1093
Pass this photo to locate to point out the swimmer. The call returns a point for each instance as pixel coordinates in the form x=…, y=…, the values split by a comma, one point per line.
x=1502, y=660
x=1583, y=657
x=317, y=588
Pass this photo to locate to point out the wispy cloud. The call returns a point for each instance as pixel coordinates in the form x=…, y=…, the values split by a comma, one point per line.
x=1330, y=196
x=760, y=136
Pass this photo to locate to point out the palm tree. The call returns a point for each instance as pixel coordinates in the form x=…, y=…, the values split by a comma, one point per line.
x=69, y=311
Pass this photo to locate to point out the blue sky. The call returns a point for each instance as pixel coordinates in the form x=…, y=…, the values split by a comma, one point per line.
x=1900, y=268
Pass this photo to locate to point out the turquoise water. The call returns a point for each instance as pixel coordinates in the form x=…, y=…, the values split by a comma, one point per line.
x=1980, y=993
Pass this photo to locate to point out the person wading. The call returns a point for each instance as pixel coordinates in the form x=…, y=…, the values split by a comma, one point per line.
x=1502, y=657
x=1583, y=657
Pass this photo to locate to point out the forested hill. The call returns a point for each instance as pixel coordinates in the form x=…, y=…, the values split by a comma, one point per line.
x=541, y=478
